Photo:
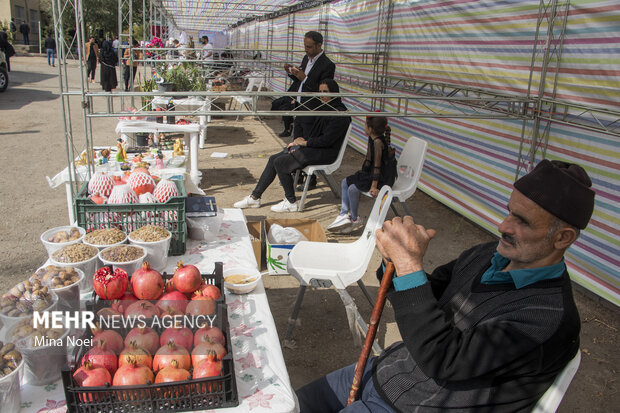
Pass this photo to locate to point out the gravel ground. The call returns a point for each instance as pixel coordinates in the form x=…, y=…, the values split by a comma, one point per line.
x=33, y=148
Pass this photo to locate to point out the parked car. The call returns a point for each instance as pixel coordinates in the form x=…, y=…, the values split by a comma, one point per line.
x=4, y=73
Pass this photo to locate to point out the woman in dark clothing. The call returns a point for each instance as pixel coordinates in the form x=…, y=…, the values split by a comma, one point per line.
x=92, y=57
x=109, y=60
x=321, y=147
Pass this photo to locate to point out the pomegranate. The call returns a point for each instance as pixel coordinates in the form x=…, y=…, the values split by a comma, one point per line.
x=141, y=182
x=142, y=308
x=132, y=374
x=142, y=356
x=203, y=350
x=91, y=376
x=168, y=352
x=113, y=340
x=186, y=278
x=146, y=283
x=172, y=373
x=213, y=333
x=100, y=356
x=182, y=336
x=143, y=337
x=98, y=199
x=140, y=169
x=108, y=312
x=200, y=306
x=209, y=367
x=129, y=296
x=172, y=303
x=207, y=290
x=110, y=285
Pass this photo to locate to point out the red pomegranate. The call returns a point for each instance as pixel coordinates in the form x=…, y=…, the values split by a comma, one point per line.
x=100, y=356
x=132, y=374
x=143, y=337
x=172, y=373
x=129, y=296
x=112, y=339
x=200, y=306
x=110, y=285
x=209, y=367
x=90, y=375
x=182, y=336
x=141, y=182
x=142, y=308
x=186, y=278
x=146, y=283
x=207, y=290
x=166, y=353
x=203, y=350
x=140, y=169
x=108, y=312
x=213, y=333
x=172, y=303
x=142, y=356
x=98, y=199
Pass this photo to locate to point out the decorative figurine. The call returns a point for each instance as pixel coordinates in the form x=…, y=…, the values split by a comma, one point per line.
x=177, y=149
x=159, y=160
x=121, y=153
x=105, y=156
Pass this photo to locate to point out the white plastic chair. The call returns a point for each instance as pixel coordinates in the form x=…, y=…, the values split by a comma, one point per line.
x=253, y=82
x=325, y=170
x=409, y=168
x=550, y=401
x=339, y=264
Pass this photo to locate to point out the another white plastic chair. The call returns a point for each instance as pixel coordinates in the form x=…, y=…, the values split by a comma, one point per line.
x=324, y=264
x=550, y=401
x=325, y=170
x=253, y=82
x=409, y=168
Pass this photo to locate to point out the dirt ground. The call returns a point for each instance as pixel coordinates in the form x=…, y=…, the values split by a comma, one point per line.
x=31, y=130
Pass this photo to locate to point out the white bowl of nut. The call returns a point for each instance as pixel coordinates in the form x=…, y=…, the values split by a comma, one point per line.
x=56, y=238
x=81, y=256
x=105, y=237
x=156, y=241
x=11, y=369
x=65, y=282
x=241, y=280
x=23, y=299
x=126, y=257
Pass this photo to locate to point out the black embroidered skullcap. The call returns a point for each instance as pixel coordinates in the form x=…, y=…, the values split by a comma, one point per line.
x=562, y=189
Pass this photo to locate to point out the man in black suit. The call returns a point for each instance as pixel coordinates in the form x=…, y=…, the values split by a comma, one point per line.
x=315, y=67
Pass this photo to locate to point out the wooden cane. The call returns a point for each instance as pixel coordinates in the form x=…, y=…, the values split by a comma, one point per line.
x=372, y=331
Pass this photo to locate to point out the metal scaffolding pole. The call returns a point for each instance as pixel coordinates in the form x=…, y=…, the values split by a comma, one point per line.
x=382, y=50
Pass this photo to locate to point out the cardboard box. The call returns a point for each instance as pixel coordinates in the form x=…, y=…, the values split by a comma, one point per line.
x=256, y=230
x=277, y=254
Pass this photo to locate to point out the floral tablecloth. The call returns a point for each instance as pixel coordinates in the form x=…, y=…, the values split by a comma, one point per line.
x=263, y=383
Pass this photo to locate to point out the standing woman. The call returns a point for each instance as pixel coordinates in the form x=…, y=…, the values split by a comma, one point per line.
x=378, y=169
x=131, y=67
x=92, y=58
x=109, y=60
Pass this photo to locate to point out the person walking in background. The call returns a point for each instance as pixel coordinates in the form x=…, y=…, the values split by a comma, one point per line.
x=109, y=61
x=92, y=58
x=50, y=47
x=207, y=50
x=24, y=29
x=379, y=169
x=131, y=67
x=115, y=44
x=13, y=27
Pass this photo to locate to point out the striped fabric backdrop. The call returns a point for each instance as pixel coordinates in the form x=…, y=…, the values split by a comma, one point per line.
x=488, y=44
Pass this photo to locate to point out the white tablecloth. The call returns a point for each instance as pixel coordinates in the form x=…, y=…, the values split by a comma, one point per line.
x=263, y=383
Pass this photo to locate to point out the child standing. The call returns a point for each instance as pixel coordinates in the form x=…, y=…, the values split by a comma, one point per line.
x=378, y=170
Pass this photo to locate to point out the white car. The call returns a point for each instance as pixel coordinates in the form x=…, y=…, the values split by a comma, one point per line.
x=4, y=73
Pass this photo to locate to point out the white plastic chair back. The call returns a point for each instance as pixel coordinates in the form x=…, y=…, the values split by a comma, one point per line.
x=342, y=264
x=552, y=398
x=409, y=168
x=333, y=167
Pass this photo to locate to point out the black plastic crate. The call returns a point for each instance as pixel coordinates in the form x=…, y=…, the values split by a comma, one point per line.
x=189, y=395
x=129, y=217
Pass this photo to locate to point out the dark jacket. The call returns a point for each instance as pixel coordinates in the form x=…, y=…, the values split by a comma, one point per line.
x=473, y=347
x=322, y=69
x=325, y=138
x=50, y=43
x=24, y=28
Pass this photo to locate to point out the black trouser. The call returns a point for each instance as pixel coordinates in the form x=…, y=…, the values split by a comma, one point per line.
x=127, y=71
x=281, y=164
x=91, y=67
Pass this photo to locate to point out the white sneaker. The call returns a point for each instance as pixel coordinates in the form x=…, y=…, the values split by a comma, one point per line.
x=340, y=222
x=248, y=202
x=353, y=226
x=285, y=206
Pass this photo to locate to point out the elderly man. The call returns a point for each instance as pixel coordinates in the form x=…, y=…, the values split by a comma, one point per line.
x=487, y=332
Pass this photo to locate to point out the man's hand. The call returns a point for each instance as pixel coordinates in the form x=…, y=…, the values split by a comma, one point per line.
x=404, y=243
x=287, y=68
x=297, y=142
x=374, y=191
x=298, y=73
